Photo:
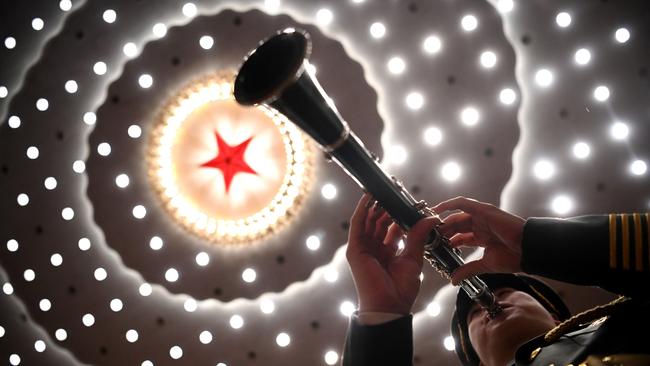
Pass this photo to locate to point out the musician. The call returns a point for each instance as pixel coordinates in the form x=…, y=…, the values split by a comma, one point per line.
x=610, y=251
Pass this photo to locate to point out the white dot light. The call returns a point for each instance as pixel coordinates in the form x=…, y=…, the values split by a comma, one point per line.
x=7, y=288
x=122, y=180
x=176, y=352
x=601, y=93
x=544, y=77
x=432, y=44
x=159, y=30
x=131, y=336
x=45, y=305
x=190, y=305
x=189, y=10
x=116, y=305
x=202, y=259
x=505, y=6
x=109, y=16
x=313, y=242
x=488, y=59
x=449, y=343
x=145, y=81
x=544, y=169
x=469, y=23
x=145, y=289
x=100, y=68
x=29, y=275
x=283, y=339
x=104, y=149
x=396, y=65
x=377, y=30
x=61, y=335
x=84, y=244
x=90, y=118
x=32, y=152
x=38, y=24
x=12, y=245
x=130, y=49
x=14, y=121
x=67, y=213
x=507, y=96
x=563, y=19
x=56, y=259
x=470, y=116
x=331, y=275
x=331, y=357
x=236, y=322
x=582, y=56
x=10, y=42
x=272, y=6
x=622, y=35
x=433, y=309
x=156, y=243
x=581, y=150
x=397, y=154
x=42, y=104
x=638, y=167
x=432, y=136
x=414, y=100
x=324, y=16
x=267, y=306
x=205, y=337
x=134, y=131
x=619, y=130
x=249, y=275
x=22, y=199
x=50, y=183
x=88, y=320
x=146, y=363
x=328, y=191
x=39, y=346
x=3, y=92
x=65, y=5
x=100, y=274
x=347, y=308
x=451, y=171
x=206, y=42
x=2, y=331
x=14, y=359
x=171, y=275
x=79, y=166
x=562, y=204
x=139, y=212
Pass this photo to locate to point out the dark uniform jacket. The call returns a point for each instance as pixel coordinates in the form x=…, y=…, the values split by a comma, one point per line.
x=609, y=251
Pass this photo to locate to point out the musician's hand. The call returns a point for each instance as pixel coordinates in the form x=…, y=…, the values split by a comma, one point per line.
x=387, y=280
x=485, y=225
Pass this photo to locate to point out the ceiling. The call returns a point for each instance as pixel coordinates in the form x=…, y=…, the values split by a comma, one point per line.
x=540, y=107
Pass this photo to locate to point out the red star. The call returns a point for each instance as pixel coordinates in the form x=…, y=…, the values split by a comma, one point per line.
x=230, y=160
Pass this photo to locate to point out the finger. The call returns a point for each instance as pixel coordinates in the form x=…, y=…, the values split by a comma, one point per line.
x=382, y=225
x=460, y=222
x=464, y=239
x=458, y=203
x=358, y=219
x=374, y=213
x=417, y=236
x=394, y=235
x=468, y=269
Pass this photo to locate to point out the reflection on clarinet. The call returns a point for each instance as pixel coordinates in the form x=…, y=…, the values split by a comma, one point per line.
x=276, y=74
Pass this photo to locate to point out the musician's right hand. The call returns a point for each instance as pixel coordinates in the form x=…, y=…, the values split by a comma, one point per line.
x=485, y=225
x=387, y=280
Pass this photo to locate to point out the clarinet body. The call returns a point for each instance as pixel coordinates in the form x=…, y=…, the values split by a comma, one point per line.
x=276, y=74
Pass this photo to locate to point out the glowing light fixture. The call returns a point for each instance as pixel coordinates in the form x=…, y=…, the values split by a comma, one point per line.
x=581, y=150
x=14, y=121
x=109, y=16
x=42, y=104
x=432, y=136
x=619, y=130
x=622, y=35
x=451, y=171
x=470, y=116
x=249, y=275
x=130, y=50
x=155, y=243
x=100, y=68
x=377, y=30
x=601, y=93
x=544, y=169
x=449, y=343
x=90, y=118
x=205, y=337
x=432, y=44
x=396, y=65
x=206, y=42
x=544, y=77
x=202, y=259
x=175, y=352
x=122, y=180
x=582, y=56
x=313, y=242
x=414, y=100
x=324, y=16
x=331, y=357
x=10, y=42
x=638, y=167
x=488, y=59
x=159, y=30
x=171, y=275
x=328, y=191
x=562, y=204
x=283, y=339
x=433, y=309
x=347, y=308
x=563, y=19
x=145, y=81
x=236, y=321
x=37, y=24
x=507, y=96
x=469, y=23
x=189, y=10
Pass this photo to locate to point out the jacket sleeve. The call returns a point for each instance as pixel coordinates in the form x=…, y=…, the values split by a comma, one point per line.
x=389, y=343
x=609, y=251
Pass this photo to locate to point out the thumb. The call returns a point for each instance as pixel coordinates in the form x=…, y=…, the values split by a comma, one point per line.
x=467, y=270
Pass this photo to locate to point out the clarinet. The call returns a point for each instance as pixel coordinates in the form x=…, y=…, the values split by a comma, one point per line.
x=276, y=74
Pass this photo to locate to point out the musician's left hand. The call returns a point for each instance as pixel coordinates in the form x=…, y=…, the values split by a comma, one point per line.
x=387, y=279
